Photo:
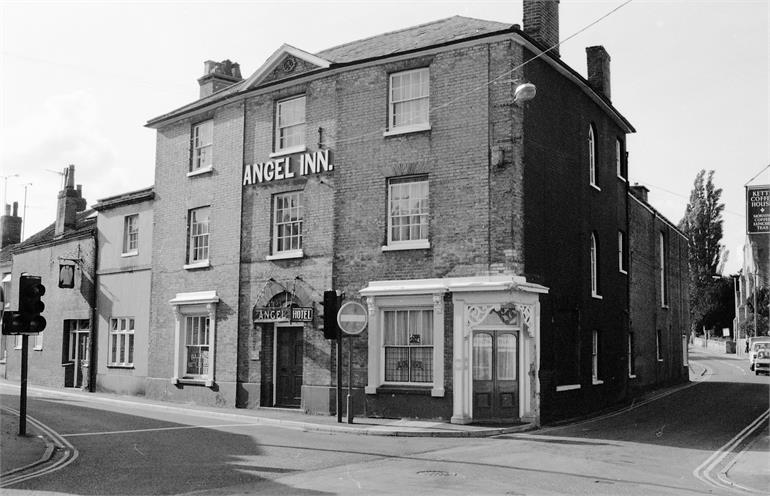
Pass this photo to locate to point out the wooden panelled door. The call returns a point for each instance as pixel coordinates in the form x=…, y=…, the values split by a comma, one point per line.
x=288, y=367
x=495, y=375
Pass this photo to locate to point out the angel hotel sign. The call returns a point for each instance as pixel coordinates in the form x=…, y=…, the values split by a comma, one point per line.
x=287, y=167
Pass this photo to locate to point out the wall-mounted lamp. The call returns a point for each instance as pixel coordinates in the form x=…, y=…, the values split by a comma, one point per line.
x=524, y=92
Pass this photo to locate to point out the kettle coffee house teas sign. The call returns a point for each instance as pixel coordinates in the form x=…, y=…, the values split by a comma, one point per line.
x=287, y=167
x=758, y=209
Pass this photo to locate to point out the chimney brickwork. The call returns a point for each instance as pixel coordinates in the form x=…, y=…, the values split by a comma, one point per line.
x=598, y=61
x=218, y=75
x=10, y=226
x=541, y=22
x=639, y=191
x=70, y=202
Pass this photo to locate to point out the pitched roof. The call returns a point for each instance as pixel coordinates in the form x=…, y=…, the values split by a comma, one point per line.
x=128, y=198
x=432, y=33
x=85, y=222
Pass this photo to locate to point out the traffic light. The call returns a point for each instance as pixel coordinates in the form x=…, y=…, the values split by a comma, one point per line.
x=30, y=306
x=13, y=323
x=331, y=307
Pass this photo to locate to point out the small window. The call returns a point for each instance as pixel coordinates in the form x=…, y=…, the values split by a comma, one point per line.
x=290, y=124
x=663, y=252
x=408, y=212
x=592, y=157
x=409, y=100
x=408, y=346
x=198, y=228
x=595, y=288
x=658, y=346
x=131, y=234
x=622, y=253
x=595, y=357
x=122, y=342
x=287, y=223
x=202, y=139
x=619, y=159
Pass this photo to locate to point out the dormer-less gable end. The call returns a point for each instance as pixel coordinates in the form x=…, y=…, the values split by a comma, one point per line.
x=286, y=62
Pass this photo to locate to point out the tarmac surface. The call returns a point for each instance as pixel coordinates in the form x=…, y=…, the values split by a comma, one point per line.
x=749, y=470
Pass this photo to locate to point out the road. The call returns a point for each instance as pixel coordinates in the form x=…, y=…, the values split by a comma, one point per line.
x=671, y=445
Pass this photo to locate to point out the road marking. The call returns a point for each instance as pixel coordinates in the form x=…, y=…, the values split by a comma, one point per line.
x=70, y=454
x=157, y=429
x=704, y=471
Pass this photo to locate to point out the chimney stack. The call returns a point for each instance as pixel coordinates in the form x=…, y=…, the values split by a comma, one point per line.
x=639, y=191
x=218, y=75
x=599, y=69
x=10, y=226
x=541, y=22
x=70, y=202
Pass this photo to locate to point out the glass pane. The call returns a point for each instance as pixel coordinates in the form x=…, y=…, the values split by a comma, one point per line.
x=396, y=364
x=131, y=348
x=122, y=348
x=114, y=353
x=506, y=357
x=482, y=357
x=421, y=364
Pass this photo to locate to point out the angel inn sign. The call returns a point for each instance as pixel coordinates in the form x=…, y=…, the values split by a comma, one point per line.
x=287, y=167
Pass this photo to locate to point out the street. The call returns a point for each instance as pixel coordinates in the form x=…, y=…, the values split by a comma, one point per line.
x=670, y=444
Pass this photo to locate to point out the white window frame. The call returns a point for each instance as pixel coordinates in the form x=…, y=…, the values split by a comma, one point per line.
x=421, y=117
x=296, y=219
x=200, y=304
x=663, y=274
x=198, y=237
x=408, y=346
x=622, y=252
x=37, y=342
x=413, y=184
x=122, y=327
x=377, y=305
x=17, y=344
x=619, y=158
x=130, y=235
x=202, y=159
x=594, y=256
x=595, y=358
x=296, y=124
x=592, y=149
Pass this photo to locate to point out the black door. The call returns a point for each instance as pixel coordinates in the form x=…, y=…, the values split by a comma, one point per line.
x=289, y=367
x=495, y=381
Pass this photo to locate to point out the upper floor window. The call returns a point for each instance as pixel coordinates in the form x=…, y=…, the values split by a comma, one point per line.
x=663, y=252
x=658, y=345
x=290, y=124
x=621, y=171
x=131, y=234
x=409, y=100
x=287, y=224
x=594, y=266
x=202, y=139
x=408, y=212
x=592, y=157
x=622, y=253
x=198, y=229
x=408, y=346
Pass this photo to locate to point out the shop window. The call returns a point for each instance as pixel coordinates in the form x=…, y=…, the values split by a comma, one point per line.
x=592, y=157
x=409, y=101
x=408, y=346
x=202, y=157
x=131, y=234
x=595, y=286
x=408, y=213
x=198, y=237
x=287, y=225
x=290, y=125
x=194, y=337
x=122, y=342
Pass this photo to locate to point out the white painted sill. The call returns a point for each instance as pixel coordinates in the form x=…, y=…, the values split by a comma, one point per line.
x=568, y=387
x=596, y=296
x=622, y=178
x=423, y=244
x=201, y=171
x=407, y=129
x=288, y=151
x=37, y=348
x=632, y=376
x=197, y=265
x=597, y=382
x=623, y=271
x=285, y=255
x=199, y=381
x=129, y=254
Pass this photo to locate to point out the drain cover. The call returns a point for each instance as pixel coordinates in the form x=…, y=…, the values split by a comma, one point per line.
x=436, y=473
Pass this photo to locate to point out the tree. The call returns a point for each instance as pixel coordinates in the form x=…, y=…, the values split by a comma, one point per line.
x=762, y=310
x=702, y=224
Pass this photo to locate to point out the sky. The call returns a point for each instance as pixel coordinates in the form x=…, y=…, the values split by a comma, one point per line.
x=78, y=81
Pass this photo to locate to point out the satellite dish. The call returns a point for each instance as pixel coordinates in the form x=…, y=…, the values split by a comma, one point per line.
x=524, y=92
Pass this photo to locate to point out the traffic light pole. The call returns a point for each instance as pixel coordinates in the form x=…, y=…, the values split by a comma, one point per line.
x=23, y=395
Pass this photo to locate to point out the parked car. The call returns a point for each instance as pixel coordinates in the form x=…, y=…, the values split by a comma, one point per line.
x=762, y=362
x=755, y=345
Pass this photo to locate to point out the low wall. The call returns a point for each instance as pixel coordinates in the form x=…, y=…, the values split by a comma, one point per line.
x=715, y=345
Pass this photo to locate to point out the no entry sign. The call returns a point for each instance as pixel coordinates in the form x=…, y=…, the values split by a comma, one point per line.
x=352, y=318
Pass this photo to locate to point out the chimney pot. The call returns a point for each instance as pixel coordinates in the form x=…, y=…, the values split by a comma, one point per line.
x=15, y=209
x=218, y=75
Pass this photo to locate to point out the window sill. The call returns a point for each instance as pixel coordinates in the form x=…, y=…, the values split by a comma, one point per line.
x=596, y=382
x=403, y=389
x=288, y=151
x=597, y=188
x=632, y=376
x=286, y=255
x=129, y=254
x=660, y=360
x=568, y=387
x=407, y=129
x=37, y=348
x=622, y=178
x=596, y=296
x=422, y=244
x=623, y=271
x=197, y=265
x=201, y=171
x=117, y=366
x=665, y=307
x=202, y=381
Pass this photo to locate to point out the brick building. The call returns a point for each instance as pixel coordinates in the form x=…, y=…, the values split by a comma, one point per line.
x=488, y=236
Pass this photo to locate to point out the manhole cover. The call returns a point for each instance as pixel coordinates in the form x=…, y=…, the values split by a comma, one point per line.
x=436, y=473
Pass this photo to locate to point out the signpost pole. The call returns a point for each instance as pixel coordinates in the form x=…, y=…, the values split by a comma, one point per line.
x=339, y=377
x=23, y=394
x=350, y=380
